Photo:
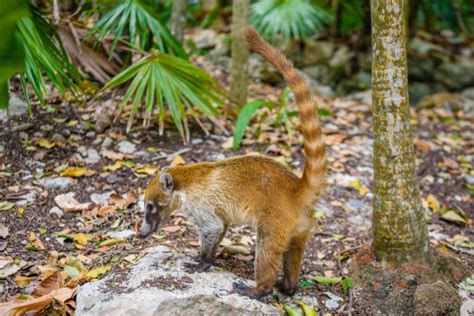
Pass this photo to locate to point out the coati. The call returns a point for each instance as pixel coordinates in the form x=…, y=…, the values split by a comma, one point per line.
x=250, y=190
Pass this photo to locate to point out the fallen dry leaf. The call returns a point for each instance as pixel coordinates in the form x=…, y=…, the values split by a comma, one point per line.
x=121, y=202
x=112, y=155
x=35, y=241
x=117, y=165
x=21, y=307
x=171, y=229
x=334, y=139
x=43, y=142
x=149, y=170
x=77, y=172
x=178, y=160
x=49, y=284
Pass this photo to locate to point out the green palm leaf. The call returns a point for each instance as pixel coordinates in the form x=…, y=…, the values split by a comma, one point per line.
x=44, y=56
x=288, y=18
x=140, y=23
x=168, y=82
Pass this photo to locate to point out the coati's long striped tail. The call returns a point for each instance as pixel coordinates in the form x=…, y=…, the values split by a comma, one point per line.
x=314, y=174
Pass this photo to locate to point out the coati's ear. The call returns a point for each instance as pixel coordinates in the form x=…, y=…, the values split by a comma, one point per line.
x=166, y=181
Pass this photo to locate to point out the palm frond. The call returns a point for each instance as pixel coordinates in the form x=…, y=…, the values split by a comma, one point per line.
x=166, y=81
x=140, y=23
x=287, y=18
x=44, y=57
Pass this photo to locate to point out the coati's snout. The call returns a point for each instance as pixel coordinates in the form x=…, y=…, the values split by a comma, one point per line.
x=151, y=221
x=158, y=204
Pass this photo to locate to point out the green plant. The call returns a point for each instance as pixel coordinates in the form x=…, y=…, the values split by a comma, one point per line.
x=138, y=21
x=169, y=81
x=11, y=53
x=288, y=18
x=44, y=56
x=245, y=115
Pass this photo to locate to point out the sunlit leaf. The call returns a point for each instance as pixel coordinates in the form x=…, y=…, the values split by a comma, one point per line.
x=77, y=172
x=94, y=273
x=327, y=280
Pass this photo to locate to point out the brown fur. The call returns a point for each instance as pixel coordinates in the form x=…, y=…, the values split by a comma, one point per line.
x=252, y=190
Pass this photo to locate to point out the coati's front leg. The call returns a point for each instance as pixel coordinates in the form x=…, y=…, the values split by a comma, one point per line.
x=211, y=231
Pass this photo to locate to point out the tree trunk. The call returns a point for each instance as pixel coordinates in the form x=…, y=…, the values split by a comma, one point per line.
x=178, y=19
x=240, y=53
x=398, y=225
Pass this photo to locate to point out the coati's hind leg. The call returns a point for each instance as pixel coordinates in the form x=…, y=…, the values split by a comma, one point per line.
x=270, y=248
x=292, y=263
x=211, y=230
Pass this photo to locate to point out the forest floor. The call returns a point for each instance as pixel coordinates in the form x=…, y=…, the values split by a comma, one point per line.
x=109, y=171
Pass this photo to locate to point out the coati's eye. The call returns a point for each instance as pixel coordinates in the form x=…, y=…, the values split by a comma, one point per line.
x=149, y=207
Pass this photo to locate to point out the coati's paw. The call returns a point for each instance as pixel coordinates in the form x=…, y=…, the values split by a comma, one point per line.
x=285, y=287
x=201, y=266
x=241, y=288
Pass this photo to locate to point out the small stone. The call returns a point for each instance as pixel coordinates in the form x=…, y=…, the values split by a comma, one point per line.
x=123, y=234
x=56, y=211
x=126, y=147
x=196, y=141
x=2, y=148
x=82, y=150
x=23, y=135
x=58, y=138
x=114, y=178
x=90, y=134
x=103, y=198
x=26, y=199
x=16, y=107
x=56, y=182
x=65, y=132
x=107, y=143
x=93, y=156
x=3, y=231
x=331, y=304
x=47, y=127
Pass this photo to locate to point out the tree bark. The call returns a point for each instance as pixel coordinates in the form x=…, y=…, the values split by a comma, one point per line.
x=178, y=19
x=240, y=53
x=398, y=225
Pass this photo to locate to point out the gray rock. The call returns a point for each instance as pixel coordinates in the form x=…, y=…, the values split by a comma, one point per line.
x=16, y=107
x=143, y=292
x=418, y=90
x=319, y=73
x=58, y=138
x=82, y=150
x=2, y=148
x=90, y=134
x=126, y=147
x=468, y=93
x=93, y=156
x=423, y=47
x=103, y=198
x=123, y=234
x=56, y=211
x=205, y=39
x=317, y=52
x=107, y=143
x=26, y=199
x=341, y=58
x=456, y=75
x=23, y=135
x=57, y=182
